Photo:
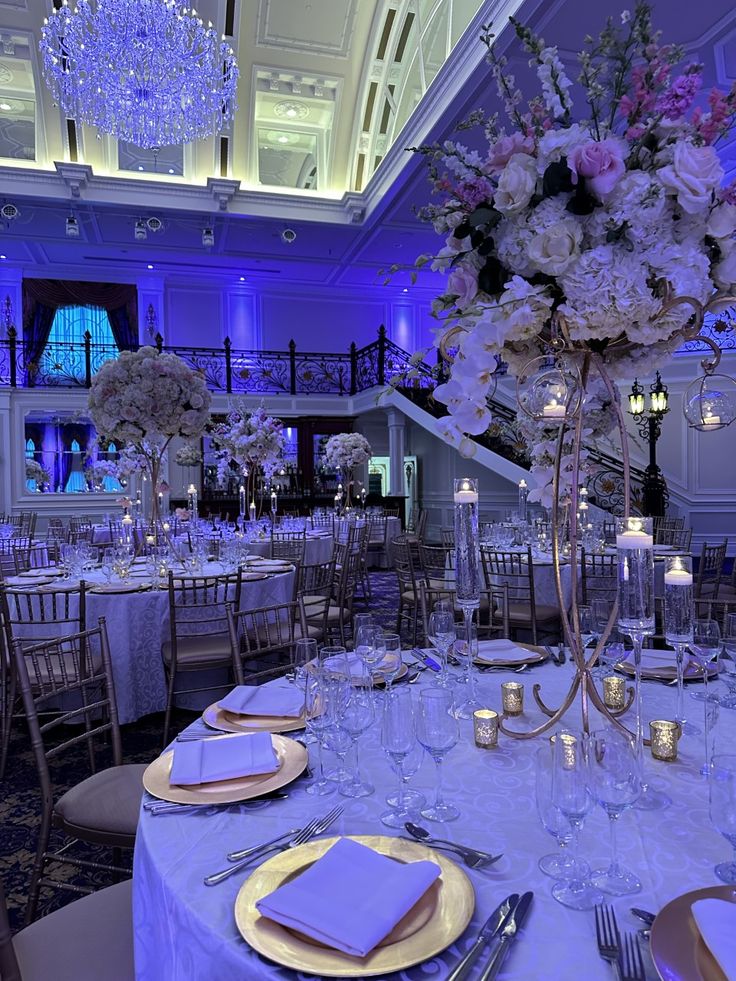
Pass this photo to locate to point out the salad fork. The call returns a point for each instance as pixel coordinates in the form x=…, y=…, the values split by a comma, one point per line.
x=607, y=935
x=630, y=963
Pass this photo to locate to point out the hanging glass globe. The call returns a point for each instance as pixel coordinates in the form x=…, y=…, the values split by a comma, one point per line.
x=549, y=390
x=710, y=402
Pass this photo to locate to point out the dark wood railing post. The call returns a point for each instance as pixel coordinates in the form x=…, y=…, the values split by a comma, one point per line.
x=292, y=366
x=353, y=369
x=87, y=359
x=12, y=354
x=381, y=355
x=159, y=342
x=228, y=366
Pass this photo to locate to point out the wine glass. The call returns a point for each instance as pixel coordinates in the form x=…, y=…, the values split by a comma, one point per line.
x=587, y=624
x=360, y=620
x=370, y=647
x=614, y=781
x=705, y=646
x=318, y=721
x=390, y=664
x=723, y=809
x=107, y=564
x=413, y=799
x=437, y=731
x=441, y=634
x=727, y=661
x=357, y=715
x=398, y=738
x=570, y=795
x=557, y=865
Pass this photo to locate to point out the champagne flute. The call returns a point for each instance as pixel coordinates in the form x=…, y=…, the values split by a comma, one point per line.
x=441, y=633
x=318, y=720
x=706, y=645
x=356, y=717
x=723, y=809
x=108, y=563
x=398, y=738
x=727, y=661
x=557, y=865
x=614, y=781
x=587, y=624
x=437, y=731
x=570, y=795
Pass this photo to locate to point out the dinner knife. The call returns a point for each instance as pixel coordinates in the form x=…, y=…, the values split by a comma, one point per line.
x=489, y=930
x=426, y=659
x=508, y=934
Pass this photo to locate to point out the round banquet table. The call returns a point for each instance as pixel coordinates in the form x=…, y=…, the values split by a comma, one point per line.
x=318, y=548
x=185, y=931
x=137, y=626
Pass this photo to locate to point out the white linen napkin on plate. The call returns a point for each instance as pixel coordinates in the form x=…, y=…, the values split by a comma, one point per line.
x=716, y=920
x=278, y=699
x=351, y=898
x=501, y=649
x=210, y=760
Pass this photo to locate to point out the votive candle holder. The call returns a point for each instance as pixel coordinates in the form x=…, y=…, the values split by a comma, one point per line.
x=512, y=697
x=664, y=738
x=485, y=728
x=614, y=692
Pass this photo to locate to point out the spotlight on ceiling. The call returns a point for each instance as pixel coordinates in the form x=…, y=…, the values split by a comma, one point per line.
x=140, y=233
x=208, y=237
x=154, y=224
x=288, y=236
x=72, y=227
x=149, y=266
x=9, y=212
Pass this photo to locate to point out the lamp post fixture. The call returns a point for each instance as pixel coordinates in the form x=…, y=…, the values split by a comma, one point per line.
x=649, y=420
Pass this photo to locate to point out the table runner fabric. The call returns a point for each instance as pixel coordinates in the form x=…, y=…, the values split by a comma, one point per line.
x=186, y=932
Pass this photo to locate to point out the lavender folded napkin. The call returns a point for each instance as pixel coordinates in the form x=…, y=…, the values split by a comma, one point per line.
x=350, y=663
x=351, y=898
x=716, y=920
x=277, y=699
x=501, y=649
x=209, y=760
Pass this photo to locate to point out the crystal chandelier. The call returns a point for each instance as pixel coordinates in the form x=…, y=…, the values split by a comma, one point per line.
x=149, y=72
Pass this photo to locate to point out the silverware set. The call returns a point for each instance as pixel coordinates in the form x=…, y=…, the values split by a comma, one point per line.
x=501, y=929
x=620, y=950
x=473, y=857
x=154, y=807
x=316, y=826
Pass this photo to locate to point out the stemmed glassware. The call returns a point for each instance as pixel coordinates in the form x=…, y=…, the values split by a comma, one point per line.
x=570, y=795
x=441, y=633
x=727, y=661
x=723, y=809
x=318, y=721
x=614, y=775
x=467, y=648
x=357, y=715
x=560, y=864
x=437, y=731
x=706, y=646
x=370, y=647
x=107, y=564
x=399, y=739
x=390, y=665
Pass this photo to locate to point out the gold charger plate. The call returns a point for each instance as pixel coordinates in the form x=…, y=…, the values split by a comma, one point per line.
x=18, y=583
x=218, y=718
x=121, y=587
x=668, y=671
x=292, y=757
x=678, y=950
x=254, y=576
x=536, y=656
x=257, y=567
x=38, y=571
x=377, y=679
x=429, y=927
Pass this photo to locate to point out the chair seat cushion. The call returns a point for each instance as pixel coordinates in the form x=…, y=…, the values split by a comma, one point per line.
x=408, y=596
x=106, y=803
x=86, y=940
x=199, y=650
x=312, y=631
x=521, y=612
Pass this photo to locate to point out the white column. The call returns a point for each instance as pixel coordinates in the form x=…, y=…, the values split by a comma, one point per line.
x=396, y=445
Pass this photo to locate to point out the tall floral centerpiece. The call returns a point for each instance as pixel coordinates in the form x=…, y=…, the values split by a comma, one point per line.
x=35, y=471
x=344, y=452
x=141, y=401
x=253, y=440
x=580, y=252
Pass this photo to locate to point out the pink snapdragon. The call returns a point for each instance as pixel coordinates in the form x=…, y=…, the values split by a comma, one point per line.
x=676, y=101
x=710, y=125
x=600, y=163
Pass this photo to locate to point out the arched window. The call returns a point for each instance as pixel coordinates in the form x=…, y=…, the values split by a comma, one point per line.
x=71, y=323
x=112, y=484
x=76, y=482
x=30, y=448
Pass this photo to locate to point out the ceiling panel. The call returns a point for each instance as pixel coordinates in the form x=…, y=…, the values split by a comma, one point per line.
x=307, y=25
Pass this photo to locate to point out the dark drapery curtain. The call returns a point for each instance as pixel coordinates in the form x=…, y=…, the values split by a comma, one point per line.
x=36, y=332
x=120, y=300
x=125, y=333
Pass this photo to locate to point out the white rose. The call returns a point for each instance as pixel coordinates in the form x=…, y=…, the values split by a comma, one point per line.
x=722, y=221
x=724, y=272
x=516, y=184
x=557, y=143
x=694, y=174
x=555, y=247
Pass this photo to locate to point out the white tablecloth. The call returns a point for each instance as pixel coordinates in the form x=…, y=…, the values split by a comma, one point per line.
x=186, y=932
x=137, y=626
x=318, y=548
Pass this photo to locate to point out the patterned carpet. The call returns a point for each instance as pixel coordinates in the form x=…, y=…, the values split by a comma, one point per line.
x=20, y=797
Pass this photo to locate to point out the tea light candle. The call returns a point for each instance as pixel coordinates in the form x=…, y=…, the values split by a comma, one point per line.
x=710, y=420
x=150, y=540
x=127, y=520
x=465, y=494
x=241, y=499
x=614, y=692
x=512, y=697
x=553, y=410
x=485, y=728
x=273, y=501
x=664, y=737
x=677, y=575
x=252, y=511
x=634, y=536
x=166, y=526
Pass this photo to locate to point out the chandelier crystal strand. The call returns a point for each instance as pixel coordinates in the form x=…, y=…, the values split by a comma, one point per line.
x=149, y=72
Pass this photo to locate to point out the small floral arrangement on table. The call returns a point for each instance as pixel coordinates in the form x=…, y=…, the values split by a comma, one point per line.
x=35, y=471
x=97, y=471
x=141, y=401
x=607, y=233
x=188, y=455
x=253, y=440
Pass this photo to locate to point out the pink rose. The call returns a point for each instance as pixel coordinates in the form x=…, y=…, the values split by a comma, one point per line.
x=464, y=282
x=601, y=164
x=504, y=148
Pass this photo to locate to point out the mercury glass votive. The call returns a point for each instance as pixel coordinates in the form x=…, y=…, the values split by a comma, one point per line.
x=664, y=737
x=614, y=692
x=570, y=743
x=512, y=697
x=485, y=728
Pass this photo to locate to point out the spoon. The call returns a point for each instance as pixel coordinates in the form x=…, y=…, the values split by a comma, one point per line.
x=643, y=914
x=421, y=834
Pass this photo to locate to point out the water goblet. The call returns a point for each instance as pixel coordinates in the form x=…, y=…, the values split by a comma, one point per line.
x=437, y=731
x=614, y=781
x=557, y=865
x=398, y=738
x=722, y=789
x=570, y=795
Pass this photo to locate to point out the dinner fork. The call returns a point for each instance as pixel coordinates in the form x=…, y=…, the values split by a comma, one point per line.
x=630, y=963
x=606, y=930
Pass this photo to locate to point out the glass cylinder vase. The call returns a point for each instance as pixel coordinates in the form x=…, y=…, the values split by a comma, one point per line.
x=467, y=545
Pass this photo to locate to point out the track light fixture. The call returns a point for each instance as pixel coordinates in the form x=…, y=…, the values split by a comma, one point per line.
x=140, y=232
x=72, y=227
x=208, y=237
